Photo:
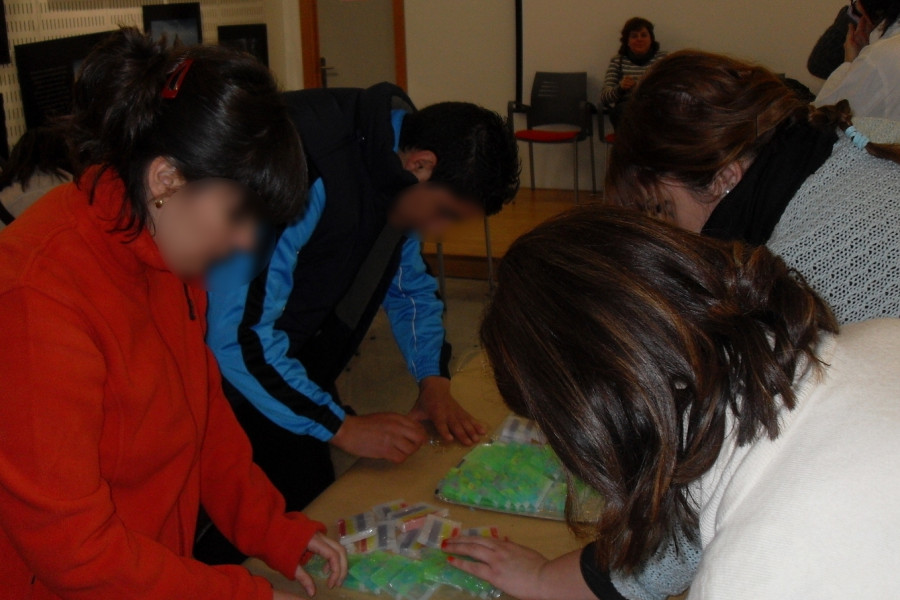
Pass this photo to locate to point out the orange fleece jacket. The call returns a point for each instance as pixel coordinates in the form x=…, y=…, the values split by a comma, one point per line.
x=113, y=425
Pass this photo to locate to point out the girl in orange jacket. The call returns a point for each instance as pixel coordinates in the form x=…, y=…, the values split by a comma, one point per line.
x=113, y=426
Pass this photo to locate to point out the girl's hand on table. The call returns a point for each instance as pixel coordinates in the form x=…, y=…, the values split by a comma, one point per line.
x=336, y=557
x=510, y=567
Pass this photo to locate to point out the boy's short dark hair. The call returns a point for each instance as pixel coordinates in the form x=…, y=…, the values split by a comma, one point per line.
x=477, y=156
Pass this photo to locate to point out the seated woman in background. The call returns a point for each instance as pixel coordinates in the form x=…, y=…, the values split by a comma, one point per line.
x=639, y=49
x=38, y=163
x=869, y=78
x=113, y=425
x=698, y=385
x=725, y=148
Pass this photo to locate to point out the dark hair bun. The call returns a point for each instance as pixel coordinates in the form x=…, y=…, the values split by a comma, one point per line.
x=228, y=120
x=117, y=94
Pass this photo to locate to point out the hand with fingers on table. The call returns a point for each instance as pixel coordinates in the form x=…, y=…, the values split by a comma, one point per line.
x=519, y=571
x=390, y=436
x=335, y=557
x=452, y=421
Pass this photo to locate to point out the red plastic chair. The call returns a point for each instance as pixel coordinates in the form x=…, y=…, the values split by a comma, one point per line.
x=558, y=100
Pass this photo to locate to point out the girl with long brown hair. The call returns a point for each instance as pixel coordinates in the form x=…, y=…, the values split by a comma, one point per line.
x=723, y=147
x=699, y=386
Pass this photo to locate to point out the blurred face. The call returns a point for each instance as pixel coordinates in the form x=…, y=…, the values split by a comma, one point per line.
x=199, y=223
x=430, y=209
x=427, y=208
x=639, y=41
x=691, y=208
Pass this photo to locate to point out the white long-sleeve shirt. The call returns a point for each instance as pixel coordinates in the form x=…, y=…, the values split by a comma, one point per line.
x=871, y=83
x=814, y=513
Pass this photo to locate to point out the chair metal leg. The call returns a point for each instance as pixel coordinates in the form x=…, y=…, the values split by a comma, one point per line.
x=490, y=253
x=576, y=171
x=531, y=163
x=593, y=168
x=442, y=274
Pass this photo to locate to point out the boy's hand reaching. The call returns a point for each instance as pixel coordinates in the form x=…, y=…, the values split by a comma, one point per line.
x=390, y=436
x=451, y=420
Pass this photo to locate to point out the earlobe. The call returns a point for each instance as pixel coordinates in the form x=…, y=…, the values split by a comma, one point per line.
x=163, y=178
x=727, y=179
x=420, y=163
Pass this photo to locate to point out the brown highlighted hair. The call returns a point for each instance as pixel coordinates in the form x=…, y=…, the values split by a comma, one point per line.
x=630, y=341
x=694, y=114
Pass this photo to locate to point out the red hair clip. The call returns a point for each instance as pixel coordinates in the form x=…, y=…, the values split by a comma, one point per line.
x=176, y=78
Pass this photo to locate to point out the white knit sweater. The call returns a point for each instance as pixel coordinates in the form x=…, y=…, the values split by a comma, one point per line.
x=842, y=232
x=814, y=514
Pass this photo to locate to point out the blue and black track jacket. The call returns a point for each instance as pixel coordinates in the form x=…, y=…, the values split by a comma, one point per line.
x=283, y=338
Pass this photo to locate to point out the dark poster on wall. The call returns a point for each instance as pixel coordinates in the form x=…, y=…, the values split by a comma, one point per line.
x=180, y=23
x=4, y=37
x=46, y=74
x=4, y=139
x=252, y=39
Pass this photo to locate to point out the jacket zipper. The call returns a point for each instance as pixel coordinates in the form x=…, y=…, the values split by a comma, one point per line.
x=187, y=295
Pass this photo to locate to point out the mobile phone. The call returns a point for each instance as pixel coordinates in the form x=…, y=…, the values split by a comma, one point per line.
x=853, y=13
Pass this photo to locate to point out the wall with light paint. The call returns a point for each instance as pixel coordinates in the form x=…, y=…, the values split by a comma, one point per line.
x=465, y=49
x=38, y=20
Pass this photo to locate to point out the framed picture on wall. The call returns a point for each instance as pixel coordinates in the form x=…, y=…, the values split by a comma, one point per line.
x=252, y=39
x=46, y=74
x=180, y=23
x=4, y=37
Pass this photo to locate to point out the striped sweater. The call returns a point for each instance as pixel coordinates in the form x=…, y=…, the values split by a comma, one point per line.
x=620, y=66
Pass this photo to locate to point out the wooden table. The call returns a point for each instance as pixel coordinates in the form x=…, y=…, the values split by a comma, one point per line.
x=371, y=482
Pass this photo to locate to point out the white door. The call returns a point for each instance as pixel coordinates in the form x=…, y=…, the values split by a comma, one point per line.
x=356, y=42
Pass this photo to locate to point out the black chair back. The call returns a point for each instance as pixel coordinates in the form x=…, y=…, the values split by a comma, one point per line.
x=558, y=99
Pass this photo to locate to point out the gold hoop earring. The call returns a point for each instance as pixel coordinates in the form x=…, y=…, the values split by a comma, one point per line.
x=159, y=202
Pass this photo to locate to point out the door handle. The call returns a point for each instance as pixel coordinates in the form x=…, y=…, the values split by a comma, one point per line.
x=323, y=71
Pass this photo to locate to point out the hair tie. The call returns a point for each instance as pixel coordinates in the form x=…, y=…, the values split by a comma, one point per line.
x=857, y=137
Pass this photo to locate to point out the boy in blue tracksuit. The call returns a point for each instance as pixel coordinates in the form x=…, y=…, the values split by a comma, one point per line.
x=283, y=327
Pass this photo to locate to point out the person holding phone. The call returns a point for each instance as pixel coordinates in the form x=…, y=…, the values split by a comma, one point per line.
x=869, y=77
x=828, y=53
